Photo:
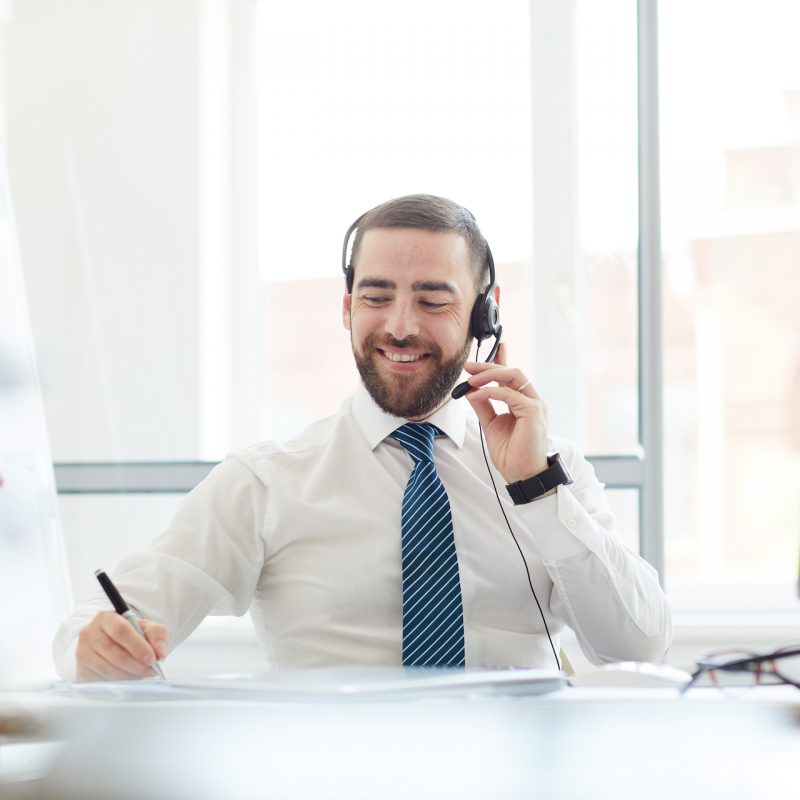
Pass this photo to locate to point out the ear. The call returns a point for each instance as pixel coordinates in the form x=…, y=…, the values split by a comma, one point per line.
x=346, y=310
x=496, y=294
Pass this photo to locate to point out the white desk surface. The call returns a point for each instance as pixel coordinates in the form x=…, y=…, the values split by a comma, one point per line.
x=574, y=743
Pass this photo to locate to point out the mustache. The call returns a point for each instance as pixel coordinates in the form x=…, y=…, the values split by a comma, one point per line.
x=409, y=341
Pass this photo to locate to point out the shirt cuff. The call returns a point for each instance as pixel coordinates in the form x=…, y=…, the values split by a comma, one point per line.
x=64, y=646
x=559, y=524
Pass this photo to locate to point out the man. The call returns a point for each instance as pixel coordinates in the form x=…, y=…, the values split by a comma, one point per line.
x=376, y=536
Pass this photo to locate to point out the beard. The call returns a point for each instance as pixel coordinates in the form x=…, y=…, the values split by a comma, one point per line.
x=409, y=396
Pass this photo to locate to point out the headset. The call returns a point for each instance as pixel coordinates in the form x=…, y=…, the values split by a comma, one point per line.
x=484, y=323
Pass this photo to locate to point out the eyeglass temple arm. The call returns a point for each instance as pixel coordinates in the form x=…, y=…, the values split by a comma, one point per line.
x=738, y=663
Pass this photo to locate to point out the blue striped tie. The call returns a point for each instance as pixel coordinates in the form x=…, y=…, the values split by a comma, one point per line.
x=433, y=621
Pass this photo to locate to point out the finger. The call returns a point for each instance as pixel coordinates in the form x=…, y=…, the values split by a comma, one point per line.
x=157, y=637
x=518, y=403
x=475, y=367
x=511, y=378
x=98, y=668
x=121, y=659
x=94, y=667
x=479, y=367
x=126, y=636
x=526, y=388
x=483, y=409
x=505, y=376
x=94, y=642
x=97, y=660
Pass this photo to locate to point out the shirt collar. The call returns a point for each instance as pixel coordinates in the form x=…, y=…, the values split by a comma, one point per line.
x=376, y=424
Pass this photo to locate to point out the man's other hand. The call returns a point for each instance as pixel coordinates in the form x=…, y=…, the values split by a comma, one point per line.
x=110, y=649
x=517, y=440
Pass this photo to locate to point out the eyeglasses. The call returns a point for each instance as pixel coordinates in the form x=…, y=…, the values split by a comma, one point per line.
x=745, y=668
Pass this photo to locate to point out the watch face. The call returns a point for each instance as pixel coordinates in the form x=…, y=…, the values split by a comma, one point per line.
x=556, y=462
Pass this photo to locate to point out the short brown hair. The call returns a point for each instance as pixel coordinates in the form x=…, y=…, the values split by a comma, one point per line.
x=427, y=212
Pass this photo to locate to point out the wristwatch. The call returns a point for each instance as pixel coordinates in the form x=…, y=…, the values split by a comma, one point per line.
x=531, y=488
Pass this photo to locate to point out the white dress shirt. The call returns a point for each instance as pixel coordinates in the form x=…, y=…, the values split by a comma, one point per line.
x=306, y=535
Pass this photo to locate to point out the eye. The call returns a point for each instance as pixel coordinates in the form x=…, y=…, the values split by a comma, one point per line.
x=432, y=306
x=374, y=299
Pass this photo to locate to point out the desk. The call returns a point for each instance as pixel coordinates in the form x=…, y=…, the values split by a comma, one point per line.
x=574, y=743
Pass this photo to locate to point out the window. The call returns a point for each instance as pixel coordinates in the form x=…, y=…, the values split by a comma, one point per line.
x=730, y=129
x=359, y=103
x=483, y=105
x=202, y=162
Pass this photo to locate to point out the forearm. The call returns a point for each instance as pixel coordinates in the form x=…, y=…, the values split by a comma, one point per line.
x=207, y=561
x=608, y=595
x=618, y=613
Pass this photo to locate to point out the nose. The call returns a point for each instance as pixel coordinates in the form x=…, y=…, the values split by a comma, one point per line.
x=401, y=320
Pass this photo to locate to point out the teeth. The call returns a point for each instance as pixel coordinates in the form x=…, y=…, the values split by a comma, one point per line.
x=401, y=357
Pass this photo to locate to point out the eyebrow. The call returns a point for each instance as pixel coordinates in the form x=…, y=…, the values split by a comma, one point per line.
x=417, y=286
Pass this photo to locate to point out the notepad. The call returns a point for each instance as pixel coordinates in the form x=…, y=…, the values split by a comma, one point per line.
x=359, y=683
x=388, y=682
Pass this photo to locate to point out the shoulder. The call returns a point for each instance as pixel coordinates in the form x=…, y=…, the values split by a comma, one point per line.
x=294, y=452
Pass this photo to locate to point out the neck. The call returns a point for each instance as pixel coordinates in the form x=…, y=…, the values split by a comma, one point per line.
x=429, y=414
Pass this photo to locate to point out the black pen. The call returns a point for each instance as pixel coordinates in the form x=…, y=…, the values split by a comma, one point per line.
x=123, y=609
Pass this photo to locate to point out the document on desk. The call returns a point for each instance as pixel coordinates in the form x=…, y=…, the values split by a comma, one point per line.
x=345, y=683
x=122, y=691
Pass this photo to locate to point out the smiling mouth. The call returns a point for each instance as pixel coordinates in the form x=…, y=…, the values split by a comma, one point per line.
x=403, y=357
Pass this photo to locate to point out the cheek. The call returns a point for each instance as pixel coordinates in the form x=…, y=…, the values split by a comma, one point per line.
x=459, y=330
x=361, y=323
x=450, y=334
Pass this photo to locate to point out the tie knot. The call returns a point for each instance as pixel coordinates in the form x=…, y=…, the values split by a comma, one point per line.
x=417, y=439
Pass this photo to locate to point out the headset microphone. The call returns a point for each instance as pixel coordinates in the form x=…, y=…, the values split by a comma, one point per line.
x=464, y=387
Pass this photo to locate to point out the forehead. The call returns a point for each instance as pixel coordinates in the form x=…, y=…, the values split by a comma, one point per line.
x=413, y=254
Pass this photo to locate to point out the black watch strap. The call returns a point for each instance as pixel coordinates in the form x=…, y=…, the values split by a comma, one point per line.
x=531, y=488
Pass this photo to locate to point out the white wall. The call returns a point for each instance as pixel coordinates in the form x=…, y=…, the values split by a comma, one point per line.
x=103, y=150
x=114, y=128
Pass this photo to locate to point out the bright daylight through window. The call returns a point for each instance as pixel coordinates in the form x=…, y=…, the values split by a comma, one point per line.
x=730, y=144
x=190, y=334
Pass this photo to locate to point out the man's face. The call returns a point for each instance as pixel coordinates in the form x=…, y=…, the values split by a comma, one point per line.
x=408, y=317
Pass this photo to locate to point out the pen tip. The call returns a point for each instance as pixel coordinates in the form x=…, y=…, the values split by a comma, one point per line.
x=98, y=572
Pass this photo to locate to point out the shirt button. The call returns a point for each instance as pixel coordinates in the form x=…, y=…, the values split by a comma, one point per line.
x=571, y=523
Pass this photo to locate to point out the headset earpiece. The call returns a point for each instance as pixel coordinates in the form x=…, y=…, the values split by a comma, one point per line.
x=485, y=319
